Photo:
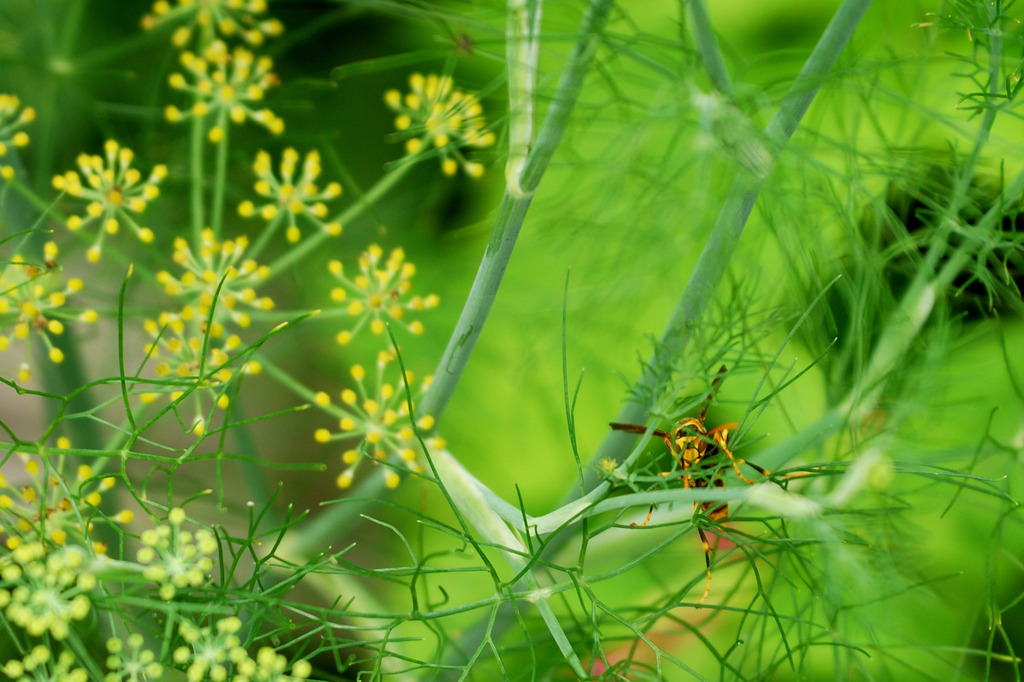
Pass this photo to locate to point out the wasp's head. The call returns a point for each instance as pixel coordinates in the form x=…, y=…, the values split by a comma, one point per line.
x=691, y=439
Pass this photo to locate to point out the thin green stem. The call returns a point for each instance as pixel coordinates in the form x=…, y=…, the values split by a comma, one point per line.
x=220, y=177
x=71, y=21
x=196, y=177
x=522, y=49
x=120, y=351
x=288, y=381
x=322, y=531
x=37, y=201
x=116, y=53
x=266, y=234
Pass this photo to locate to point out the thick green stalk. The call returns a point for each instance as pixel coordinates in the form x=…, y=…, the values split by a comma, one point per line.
x=493, y=530
x=511, y=214
x=707, y=44
x=710, y=267
x=499, y=250
x=478, y=305
x=523, y=50
x=557, y=118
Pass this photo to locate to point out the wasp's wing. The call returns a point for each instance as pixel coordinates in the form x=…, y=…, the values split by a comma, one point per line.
x=637, y=428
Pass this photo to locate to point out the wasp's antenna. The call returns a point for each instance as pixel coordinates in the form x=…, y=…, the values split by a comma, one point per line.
x=715, y=383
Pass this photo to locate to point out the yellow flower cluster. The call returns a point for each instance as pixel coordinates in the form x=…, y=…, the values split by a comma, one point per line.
x=114, y=189
x=45, y=592
x=292, y=196
x=216, y=274
x=32, y=300
x=207, y=18
x=12, y=119
x=209, y=652
x=133, y=662
x=226, y=86
x=36, y=507
x=191, y=359
x=214, y=653
x=379, y=291
x=39, y=664
x=380, y=416
x=193, y=345
x=437, y=118
x=176, y=558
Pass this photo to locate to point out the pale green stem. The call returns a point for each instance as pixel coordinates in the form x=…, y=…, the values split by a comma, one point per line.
x=523, y=50
x=710, y=267
x=295, y=386
x=492, y=529
x=571, y=511
x=196, y=178
x=322, y=530
x=477, y=306
x=47, y=96
x=220, y=177
x=557, y=118
x=511, y=214
x=514, y=206
x=707, y=44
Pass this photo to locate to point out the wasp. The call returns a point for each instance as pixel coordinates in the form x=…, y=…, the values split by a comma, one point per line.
x=699, y=451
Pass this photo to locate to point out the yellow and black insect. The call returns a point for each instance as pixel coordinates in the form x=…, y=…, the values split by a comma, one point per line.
x=698, y=450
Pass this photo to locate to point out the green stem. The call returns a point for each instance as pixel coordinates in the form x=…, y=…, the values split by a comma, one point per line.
x=474, y=508
x=557, y=118
x=220, y=178
x=478, y=305
x=119, y=53
x=71, y=20
x=511, y=214
x=196, y=178
x=707, y=44
x=266, y=234
x=286, y=380
x=523, y=50
x=26, y=192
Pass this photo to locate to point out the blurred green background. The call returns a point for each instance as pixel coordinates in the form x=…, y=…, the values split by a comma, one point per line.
x=622, y=214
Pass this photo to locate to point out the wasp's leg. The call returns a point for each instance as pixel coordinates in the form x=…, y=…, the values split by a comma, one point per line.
x=707, y=562
x=720, y=434
x=650, y=511
x=714, y=513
